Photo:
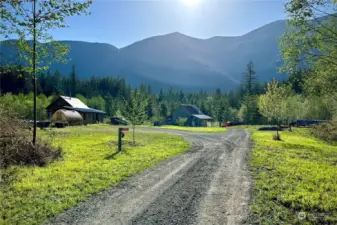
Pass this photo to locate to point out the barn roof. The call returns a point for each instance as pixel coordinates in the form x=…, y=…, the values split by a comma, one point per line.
x=195, y=111
x=192, y=109
x=74, y=102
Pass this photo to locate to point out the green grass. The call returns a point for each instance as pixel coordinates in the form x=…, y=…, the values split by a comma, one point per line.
x=293, y=177
x=41, y=192
x=195, y=129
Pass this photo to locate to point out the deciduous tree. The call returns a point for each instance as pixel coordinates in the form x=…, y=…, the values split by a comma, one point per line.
x=310, y=44
x=274, y=105
x=135, y=110
x=34, y=19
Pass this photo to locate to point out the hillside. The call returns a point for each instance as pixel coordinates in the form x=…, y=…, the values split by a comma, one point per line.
x=178, y=60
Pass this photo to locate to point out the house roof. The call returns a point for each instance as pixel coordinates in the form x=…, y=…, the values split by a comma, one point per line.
x=202, y=116
x=74, y=102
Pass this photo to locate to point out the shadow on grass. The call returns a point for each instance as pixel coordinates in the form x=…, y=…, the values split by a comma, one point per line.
x=112, y=156
x=125, y=143
x=301, y=147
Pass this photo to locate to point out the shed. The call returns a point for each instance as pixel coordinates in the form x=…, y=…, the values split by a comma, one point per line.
x=70, y=116
x=89, y=115
x=195, y=117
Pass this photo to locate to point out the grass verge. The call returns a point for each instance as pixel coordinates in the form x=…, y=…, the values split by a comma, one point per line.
x=295, y=179
x=195, y=129
x=88, y=166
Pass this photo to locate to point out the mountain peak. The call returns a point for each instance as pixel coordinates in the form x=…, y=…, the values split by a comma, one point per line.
x=176, y=34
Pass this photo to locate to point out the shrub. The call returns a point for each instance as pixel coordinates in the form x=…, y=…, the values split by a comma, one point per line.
x=21, y=151
x=326, y=131
x=181, y=121
x=106, y=120
x=277, y=137
x=16, y=147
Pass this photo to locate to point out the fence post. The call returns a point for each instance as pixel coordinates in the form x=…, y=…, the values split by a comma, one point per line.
x=119, y=139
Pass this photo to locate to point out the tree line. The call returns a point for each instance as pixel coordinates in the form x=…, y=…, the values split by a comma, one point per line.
x=246, y=104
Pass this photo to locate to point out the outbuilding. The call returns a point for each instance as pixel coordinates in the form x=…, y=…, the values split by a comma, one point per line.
x=89, y=115
x=195, y=117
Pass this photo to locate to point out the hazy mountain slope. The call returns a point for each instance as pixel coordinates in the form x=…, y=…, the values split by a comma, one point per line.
x=180, y=61
x=89, y=59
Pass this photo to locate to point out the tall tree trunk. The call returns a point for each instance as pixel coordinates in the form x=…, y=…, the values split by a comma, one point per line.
x=34, y=69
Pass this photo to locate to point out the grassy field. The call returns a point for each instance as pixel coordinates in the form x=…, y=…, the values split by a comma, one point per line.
x=295, y=179
x=194, y=129
x=88, y=166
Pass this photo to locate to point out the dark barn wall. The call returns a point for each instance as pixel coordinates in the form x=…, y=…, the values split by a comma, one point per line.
x=180, y=112
x=91, y=117
x=54, y=106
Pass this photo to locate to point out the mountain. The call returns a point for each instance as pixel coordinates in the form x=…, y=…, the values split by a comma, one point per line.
x=178, y=60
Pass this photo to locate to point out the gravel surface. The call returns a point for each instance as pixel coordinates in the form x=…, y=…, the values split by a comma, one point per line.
x=208, y=184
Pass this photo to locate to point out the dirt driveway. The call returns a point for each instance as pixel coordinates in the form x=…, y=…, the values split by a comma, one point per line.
x=208, y=184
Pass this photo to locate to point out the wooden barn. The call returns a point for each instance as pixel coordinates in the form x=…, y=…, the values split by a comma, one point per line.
x=69, y=106
x=195, y=118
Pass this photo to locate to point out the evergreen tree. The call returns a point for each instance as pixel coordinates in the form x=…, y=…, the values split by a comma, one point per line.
x=249, y=85
x=250, y=79
x=161, y=95
x=74, y=81
x=163, y=110
x=57, y=85
x=149, y=108
x=181, y=96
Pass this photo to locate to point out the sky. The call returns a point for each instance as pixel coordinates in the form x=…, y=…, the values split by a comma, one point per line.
x=123, y=22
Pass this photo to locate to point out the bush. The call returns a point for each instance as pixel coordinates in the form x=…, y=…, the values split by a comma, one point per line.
x=106, y=120
x=21, y=151
x=16, y=147
x=326, y=131
x=181, y=121
x=277, y=137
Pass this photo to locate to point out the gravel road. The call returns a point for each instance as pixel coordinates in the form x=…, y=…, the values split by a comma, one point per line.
x=208, y=184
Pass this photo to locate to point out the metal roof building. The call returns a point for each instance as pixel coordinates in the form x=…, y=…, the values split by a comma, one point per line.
x=195, y=117
x=89, y=115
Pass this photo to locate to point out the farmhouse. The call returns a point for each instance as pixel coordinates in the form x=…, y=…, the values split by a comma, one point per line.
x=68, y=109
x=195, y=117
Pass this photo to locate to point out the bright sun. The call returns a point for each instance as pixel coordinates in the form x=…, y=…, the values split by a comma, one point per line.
x=191, y=2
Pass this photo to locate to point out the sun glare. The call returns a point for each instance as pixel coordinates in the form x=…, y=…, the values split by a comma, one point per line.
x=191, y=2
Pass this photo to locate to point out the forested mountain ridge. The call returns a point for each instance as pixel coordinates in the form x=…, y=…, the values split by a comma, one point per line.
x=178, y=60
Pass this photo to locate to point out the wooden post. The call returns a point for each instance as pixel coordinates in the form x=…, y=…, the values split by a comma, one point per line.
x=120, y=136
x=119, y=139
